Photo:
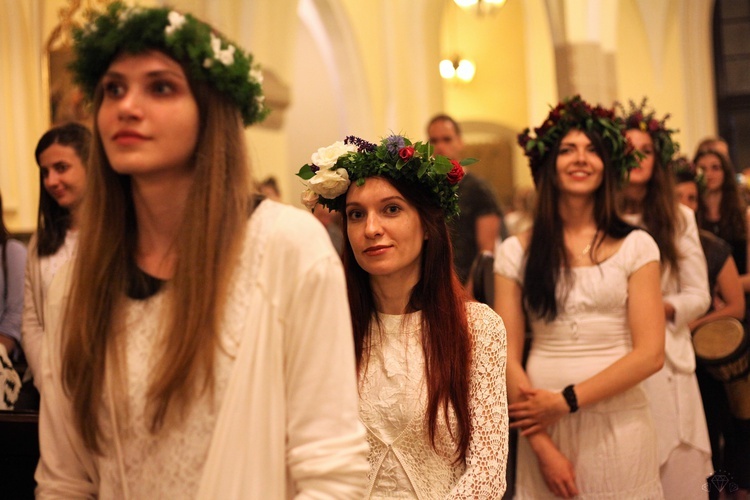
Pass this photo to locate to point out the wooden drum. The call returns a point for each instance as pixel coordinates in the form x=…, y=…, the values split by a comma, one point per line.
x=723, y=349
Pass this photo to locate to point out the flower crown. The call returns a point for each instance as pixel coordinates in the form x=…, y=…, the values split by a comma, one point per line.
x=638, y=118
x=575, y=113
x=333, y=168
x=208, y=56
x=683, y=169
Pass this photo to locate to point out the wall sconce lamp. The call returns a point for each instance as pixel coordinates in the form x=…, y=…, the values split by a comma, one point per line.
x=461, y=69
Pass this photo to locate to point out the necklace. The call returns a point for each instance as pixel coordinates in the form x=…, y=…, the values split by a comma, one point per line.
x=587, y=248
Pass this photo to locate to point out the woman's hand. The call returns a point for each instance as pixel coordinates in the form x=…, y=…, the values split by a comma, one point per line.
x=540, y=408
x=558, y=472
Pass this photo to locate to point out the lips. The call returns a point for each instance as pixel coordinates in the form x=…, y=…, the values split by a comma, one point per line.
x=128, y=137
x=376, y=250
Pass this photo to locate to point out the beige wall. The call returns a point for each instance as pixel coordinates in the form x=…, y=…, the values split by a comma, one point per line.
x=385, y=55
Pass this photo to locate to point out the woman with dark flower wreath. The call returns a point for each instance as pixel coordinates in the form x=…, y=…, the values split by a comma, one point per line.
x=431, y=365
x=589, y=283
x=648, y=201
x=199, y=345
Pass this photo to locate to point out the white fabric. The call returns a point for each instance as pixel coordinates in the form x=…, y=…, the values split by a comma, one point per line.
x=40, y=271
x=284, y=422
x=393, y=398
x=673, y=392
x=611, y=444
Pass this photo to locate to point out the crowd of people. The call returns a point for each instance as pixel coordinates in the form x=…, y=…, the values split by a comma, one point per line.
x=187, y=336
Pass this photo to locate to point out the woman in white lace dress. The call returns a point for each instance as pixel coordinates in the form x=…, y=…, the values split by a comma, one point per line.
x=431, y=365
x=589, y=283
x=197, y=346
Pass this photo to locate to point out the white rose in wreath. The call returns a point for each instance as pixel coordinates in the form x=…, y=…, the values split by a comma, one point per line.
x=330, y=183
x=325, y=158
x=309, y=198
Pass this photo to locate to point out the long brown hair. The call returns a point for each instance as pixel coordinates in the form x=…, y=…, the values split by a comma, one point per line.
x=446, y=341
x=208, y=244
x=547, y=263
x=731, y=207
x=661, y=215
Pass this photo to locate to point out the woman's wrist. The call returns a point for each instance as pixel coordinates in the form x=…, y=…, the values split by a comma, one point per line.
x=571, y=398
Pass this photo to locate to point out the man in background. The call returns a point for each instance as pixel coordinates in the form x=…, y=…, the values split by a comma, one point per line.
x=478, y=226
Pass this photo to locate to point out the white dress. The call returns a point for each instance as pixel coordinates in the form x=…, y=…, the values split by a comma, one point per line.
x=684, y=449
x=284, y=420
x=393, y=399
x=611, y=444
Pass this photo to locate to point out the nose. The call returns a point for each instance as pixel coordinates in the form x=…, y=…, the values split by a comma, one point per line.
x=373, y=228
x=581, y=154
x=129, y=105
x=52, y=179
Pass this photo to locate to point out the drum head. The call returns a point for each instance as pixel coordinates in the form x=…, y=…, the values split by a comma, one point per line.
x=718, y=339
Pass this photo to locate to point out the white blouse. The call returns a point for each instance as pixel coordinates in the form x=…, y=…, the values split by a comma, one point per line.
x=393, y=398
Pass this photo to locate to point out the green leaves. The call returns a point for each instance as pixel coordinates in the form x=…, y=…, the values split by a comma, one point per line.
x=306, y=173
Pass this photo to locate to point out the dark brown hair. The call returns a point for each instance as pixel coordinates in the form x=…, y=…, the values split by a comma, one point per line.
x=732, y=206
x=547, y=262
x=446, y=341
x=53, y=221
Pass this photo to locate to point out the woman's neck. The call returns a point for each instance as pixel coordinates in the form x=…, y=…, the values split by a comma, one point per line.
x=74, y=217
x=712, y=202
x=576, y=212
x=633, y=197
x=392, y=293
x=159, y=212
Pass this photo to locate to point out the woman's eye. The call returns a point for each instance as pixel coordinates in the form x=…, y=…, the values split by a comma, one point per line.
x=354, y=215
x=114, y=89
x=162, y=88
x=61, y=168
x=392, y=209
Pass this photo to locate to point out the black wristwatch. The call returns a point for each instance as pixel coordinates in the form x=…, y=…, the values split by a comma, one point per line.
x=570, y=397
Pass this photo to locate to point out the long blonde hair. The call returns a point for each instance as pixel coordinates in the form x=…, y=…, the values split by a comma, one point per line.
x=208, y=246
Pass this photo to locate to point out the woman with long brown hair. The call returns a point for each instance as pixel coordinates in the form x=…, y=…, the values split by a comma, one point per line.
x=722, y=210
x=649, y=202
x=588, y=283
x=431, y=365
x=197, y=347
x=61, y=154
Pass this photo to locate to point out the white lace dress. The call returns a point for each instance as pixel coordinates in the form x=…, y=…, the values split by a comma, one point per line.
x=393, y=398
x=612, y=444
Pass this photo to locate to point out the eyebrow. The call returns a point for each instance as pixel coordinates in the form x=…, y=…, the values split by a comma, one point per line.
x=151, y=74
x=383, y=200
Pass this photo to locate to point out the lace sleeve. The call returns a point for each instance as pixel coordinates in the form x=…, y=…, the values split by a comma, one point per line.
x=488, y=448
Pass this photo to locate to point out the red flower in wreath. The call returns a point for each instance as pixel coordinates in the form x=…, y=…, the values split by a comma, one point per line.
x=406, y=153
x=456, y=174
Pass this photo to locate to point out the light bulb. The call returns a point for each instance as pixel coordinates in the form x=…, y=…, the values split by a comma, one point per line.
x=447, y=70
x=465, y=70
x=465, y=3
